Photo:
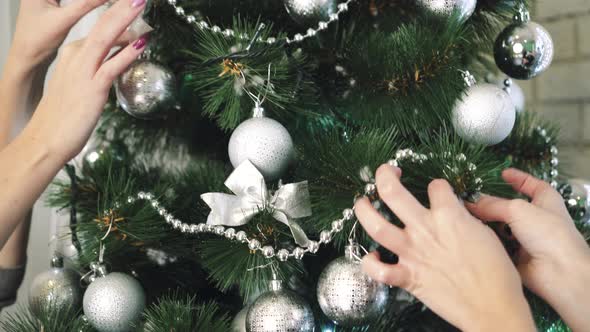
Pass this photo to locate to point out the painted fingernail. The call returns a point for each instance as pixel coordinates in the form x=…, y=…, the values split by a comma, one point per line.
x=140, y=43
x=137, y=3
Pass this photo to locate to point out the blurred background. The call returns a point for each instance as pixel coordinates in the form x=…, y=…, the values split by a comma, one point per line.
x=562, y=94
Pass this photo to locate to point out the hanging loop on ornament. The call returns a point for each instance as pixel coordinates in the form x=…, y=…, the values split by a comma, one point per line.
x=352, y=234
x=263, y=266
x=258, y=100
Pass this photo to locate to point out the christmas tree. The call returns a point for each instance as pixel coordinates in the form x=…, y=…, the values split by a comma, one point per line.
x=217, y=194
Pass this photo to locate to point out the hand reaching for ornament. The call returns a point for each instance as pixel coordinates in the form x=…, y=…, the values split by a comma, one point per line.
x=447, y=258
x=554, y=259
x=67, y=114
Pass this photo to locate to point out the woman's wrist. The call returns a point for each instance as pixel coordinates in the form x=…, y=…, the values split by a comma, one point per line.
x=569, y=293
x=17, y=70
x=509, y=316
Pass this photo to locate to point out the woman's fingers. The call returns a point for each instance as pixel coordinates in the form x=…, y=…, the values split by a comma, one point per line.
x=539, y=191
x=112, y=68
x=397, y=197
x=109, y=28
x=394, y=275
x=490, y=208
x=73, y=12
x=441, y=195
x=381, y=230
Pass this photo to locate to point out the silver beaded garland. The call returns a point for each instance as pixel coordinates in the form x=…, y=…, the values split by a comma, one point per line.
x=447, y=7
x=311, y=11
x=146, y=89
x=56, y=289
x=114, y=303
x=347, y=295
x=485, y=115
x=524, y=49
x=280, y=310
x=265, y=143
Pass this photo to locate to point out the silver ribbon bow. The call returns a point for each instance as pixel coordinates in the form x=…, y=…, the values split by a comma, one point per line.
x=289, y=202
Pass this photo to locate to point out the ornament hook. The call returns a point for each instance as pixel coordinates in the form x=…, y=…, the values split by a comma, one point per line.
x=468, y=78
x=523, y=15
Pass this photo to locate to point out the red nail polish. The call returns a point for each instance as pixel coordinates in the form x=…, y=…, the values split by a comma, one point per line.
x=137, y=3
x=140, y=43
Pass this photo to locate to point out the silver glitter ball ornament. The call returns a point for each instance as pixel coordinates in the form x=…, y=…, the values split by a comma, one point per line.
x=57, y=289
x=114, y=303
x=238, y=324
x=448, y=7
x=524, y=49
x=486, y=115
x=146, y=89
x=115, y=153
x=347, y=295
x=280, y=310
x=311, y=12
x=265, y=143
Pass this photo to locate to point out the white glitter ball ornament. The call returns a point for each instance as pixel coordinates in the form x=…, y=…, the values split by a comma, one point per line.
x=265, y=143
x=238, y=324
x=280, y=310
x=486, y=115
x=114, y=303
x=347, y=295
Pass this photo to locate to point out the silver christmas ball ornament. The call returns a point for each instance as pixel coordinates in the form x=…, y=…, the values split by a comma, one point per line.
x=115, y=153
x=57, y=289
x=524, y=49
x=146, y=89
x=265, y=143
x=311, y=12
x=114, y=302
x=465, y=8
x=239, y=322
x=347, y=295
x=485, y=115
x=280, y=310
x=515, y=92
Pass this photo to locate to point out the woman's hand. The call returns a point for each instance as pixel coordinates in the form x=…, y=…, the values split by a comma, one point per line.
x=77, y=93
x=67, y=113
x=554, y=259
x=41, y=27
x=447, y=258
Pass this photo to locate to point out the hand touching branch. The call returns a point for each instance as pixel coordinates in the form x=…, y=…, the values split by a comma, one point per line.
x=554, y=259
x=448, y=259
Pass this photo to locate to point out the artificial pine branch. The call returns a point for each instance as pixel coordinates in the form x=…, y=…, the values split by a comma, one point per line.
x=183, y=314
x=232, y=264
x=48, y=320
x=225, y=69
x=526, y=148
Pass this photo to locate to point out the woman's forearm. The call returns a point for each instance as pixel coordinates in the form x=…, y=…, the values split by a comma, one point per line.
x=16, y=94
x=27, y=166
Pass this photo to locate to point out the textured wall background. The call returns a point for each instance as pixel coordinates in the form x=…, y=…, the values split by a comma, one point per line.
x=562, y=94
